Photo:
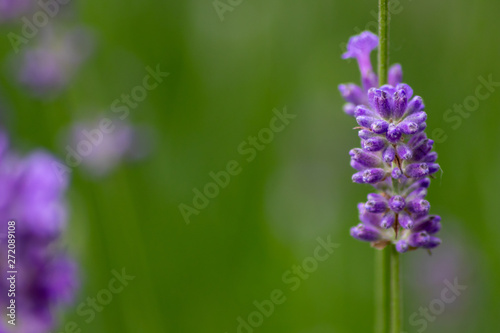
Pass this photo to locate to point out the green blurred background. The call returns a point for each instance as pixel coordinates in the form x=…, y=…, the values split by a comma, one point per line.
x=226, y=77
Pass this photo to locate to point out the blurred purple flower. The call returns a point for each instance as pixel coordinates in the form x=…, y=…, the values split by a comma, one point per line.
x=13, y=9
x=32, y=195
x=455, y=261
x=50, y=64
x=101, y=152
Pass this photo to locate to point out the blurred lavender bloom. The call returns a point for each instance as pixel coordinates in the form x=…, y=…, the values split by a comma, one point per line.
x=32, y=195
x=13, y=9
x=99, y=152
x=51, y=63
x=455, y=261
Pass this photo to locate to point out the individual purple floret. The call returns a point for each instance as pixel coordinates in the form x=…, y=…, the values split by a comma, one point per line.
x=32, y=195
x=359, y=48
x=395, y=156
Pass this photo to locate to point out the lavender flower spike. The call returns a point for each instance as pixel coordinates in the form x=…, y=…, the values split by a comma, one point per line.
x=32, y=196
x=396, y=157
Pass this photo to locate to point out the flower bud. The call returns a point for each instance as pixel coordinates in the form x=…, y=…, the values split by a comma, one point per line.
x=430, y=158
x=393, y=134
x=380, y=126
x=419, y=206
x=422, y=127
x=365, y=121
x=387, y=88
x=418, y=192
x=365, y=134
x=395, y=75
x=432, y=243
x=421, y=183
x=388, y=220
x=373, y=144
x=368, y=218
x=352, y=93
x=372, y=93
x=426, y=182
x=363, y=111
x=400, y=103
x=417, y=140
x=372, y=176
x=408, y=127
x=415, y=105
x=402, y=246
x=433, y=168
x=376, y=204
x=356, y=165
x=407, y=89
x=430, y=224
x=422, y=149
x=417, y=117
x=382, y=103
x=417, y=170
x=397, y=203
x=396, y=173
x=389, y=154
x=364, y=158
x=404, y=151
x=349, y=109
x=358, y=177
x=365, y=233
x=405, y=221
x=419, y=239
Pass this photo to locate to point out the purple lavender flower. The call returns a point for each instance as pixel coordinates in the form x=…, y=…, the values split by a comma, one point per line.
x=32, y=195
x=395, y=157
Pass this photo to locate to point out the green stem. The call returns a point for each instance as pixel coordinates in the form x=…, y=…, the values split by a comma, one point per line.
x=395, y=292
x=384, y=258
x=382, y=289
x=383, y=35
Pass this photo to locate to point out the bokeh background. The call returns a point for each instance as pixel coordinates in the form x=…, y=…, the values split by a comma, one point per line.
x=226, y=77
